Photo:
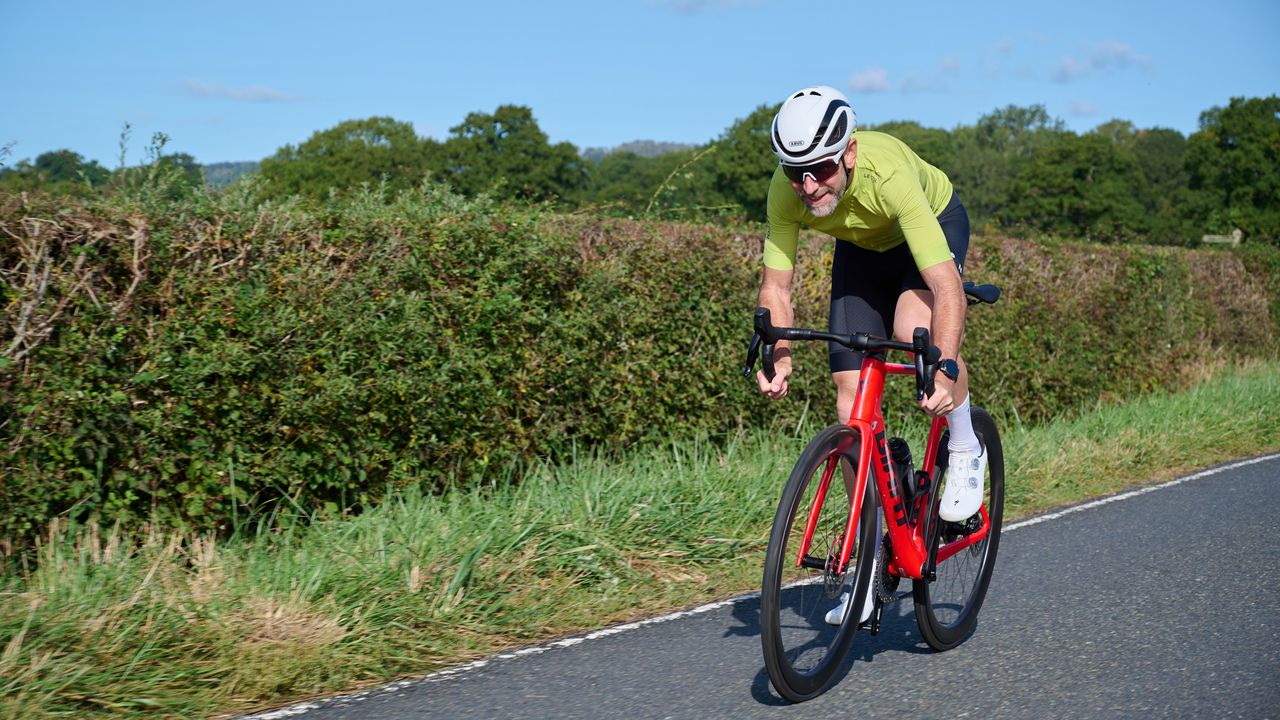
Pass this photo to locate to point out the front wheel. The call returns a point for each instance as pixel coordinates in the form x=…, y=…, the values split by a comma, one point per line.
x=947, y=607
x=802, y=651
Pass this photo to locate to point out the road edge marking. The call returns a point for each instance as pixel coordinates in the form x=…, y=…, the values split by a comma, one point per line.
x=1054, y=515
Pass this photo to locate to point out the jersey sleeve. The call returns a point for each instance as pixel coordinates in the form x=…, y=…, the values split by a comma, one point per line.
x=905, y=199
x=782, y=231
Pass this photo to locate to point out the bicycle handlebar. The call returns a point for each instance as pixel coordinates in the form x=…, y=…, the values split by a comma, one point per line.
x=766, y=335
x=926, y=354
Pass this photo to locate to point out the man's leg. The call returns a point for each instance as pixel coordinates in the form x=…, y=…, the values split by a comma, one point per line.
x=846, y=387
x=963, y=492
x=862, y=297
x=915, y=309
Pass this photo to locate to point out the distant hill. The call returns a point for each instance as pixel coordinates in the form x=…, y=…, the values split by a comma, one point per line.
x=222, y=174
x=643, y=148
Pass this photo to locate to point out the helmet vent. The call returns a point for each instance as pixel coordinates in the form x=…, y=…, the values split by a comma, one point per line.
x=837, y=133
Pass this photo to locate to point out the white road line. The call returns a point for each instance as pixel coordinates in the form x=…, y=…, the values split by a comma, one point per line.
x=299, y=709
x=1134, y=493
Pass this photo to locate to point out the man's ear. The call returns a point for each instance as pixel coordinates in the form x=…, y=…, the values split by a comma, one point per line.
x=851, y=152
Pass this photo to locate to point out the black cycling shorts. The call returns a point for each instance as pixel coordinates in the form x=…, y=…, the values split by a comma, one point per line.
x=865, y=284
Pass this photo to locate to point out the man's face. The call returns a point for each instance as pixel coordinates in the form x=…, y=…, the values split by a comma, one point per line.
x=821, y=196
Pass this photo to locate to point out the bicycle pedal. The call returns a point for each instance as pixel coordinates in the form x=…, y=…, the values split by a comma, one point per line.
x=873, y=622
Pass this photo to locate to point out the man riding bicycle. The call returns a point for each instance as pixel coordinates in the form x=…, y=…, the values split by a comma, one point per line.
x=901, y=234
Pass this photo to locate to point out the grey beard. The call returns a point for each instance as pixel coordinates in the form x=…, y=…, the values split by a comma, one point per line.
x=830, y=208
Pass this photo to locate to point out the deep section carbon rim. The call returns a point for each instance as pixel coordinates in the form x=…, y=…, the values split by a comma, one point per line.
x=803, y=652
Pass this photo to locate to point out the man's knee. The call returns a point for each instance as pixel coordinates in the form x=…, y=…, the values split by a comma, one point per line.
x=846, y=388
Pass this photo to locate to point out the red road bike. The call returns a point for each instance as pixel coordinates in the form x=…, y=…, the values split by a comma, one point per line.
x=827, y=542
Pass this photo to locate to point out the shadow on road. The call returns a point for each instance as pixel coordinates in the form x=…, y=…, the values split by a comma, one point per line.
x=898, y=633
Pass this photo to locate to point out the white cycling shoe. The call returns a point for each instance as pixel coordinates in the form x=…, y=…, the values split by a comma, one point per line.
x=962, y=495
x=835, y=615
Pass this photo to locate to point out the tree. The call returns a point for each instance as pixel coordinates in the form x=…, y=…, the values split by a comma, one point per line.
x=349, y=154
x=742, y=163
x=185, y=165
x=989, y=155
x=507, y=151
x=624, y=181
x=1016, y=131
x=727, y=176
x=1161, y=156
x=1119, y=132
x=1083, y=186
x=58, y=172
x=1233, y=164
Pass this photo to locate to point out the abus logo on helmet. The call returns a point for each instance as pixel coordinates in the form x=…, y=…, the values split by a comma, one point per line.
x=795, y=143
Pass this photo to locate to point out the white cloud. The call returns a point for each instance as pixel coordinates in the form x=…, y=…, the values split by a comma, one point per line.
x=938, y=82
x=874, y=79
x=252, y=93
x=1117, y=54
x=914, y=82
x=1104, y=57
x=1069, y=69
x=1082, y=108
x=994, y=60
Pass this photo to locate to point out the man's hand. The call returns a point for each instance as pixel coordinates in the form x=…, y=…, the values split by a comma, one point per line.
x=781, y=371
x=775, y=294
x=943, y=400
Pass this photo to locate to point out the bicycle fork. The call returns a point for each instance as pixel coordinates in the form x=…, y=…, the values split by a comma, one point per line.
x=841, y=561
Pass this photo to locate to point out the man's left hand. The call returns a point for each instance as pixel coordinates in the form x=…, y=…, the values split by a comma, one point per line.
x=942, y=401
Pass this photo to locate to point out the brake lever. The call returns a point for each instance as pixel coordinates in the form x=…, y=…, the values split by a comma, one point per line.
x=765, y=352
x=927, y=358
x=761, y=341
x=753, y=351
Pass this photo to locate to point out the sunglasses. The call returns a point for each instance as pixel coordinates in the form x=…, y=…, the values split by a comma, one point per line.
x=821, y=171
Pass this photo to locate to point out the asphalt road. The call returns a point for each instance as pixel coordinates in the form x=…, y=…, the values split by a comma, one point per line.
x=1162, y=604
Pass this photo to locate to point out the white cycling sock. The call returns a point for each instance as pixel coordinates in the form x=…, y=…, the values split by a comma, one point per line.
x=960, y=424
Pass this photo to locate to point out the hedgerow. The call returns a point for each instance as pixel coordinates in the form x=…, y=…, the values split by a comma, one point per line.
x=210, y=360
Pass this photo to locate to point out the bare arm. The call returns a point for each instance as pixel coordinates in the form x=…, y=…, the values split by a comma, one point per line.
x=948, y=307
x=775, y=294
x=947, y=333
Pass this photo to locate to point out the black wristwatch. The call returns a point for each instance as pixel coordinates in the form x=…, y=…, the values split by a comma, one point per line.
x=950, y=368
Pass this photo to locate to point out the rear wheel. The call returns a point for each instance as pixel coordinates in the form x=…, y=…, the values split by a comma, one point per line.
x=801, y=650
x=947, y=608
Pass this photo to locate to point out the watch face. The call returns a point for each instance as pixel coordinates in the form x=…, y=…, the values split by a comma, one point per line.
x=950, y=368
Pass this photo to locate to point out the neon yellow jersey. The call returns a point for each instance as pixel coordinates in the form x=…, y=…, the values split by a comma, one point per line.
x=892, y=196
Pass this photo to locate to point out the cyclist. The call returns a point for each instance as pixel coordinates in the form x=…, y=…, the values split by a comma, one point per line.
x=901, y=234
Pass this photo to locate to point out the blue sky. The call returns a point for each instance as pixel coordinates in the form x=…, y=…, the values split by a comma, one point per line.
x=236, y=80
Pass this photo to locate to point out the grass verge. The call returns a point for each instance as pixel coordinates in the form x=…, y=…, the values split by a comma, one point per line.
x=183, y=626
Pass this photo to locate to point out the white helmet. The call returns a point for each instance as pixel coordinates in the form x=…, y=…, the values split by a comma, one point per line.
x=813, y=124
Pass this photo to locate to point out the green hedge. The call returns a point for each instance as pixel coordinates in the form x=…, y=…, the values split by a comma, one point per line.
x=211, y=361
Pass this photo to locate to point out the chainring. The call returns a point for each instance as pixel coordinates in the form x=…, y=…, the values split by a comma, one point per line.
x=886, y=584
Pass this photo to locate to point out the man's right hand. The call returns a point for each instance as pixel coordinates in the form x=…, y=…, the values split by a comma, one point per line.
x=781, y=371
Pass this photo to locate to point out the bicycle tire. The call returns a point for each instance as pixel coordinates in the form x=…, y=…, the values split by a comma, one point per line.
x=947, y=607
x=803, y=653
